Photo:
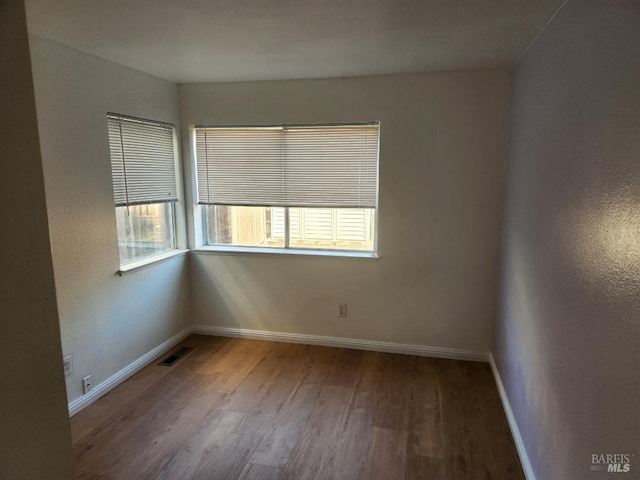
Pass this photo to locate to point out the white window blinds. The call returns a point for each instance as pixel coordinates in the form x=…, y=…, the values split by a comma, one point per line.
x=239, y=166
x=295, y=166
x=142, y=161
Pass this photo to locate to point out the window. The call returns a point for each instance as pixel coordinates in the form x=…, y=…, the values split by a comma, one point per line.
x=144, y=184
x=289, y=186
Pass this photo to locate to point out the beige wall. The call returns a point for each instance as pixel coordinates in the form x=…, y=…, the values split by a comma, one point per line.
x=567, y=340
x=442, y=152
x=107, y=321
x=35, y=441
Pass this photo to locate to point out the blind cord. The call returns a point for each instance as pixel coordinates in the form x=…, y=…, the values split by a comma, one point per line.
x=124, y=167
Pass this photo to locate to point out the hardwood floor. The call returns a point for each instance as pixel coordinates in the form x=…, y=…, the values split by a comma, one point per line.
x=254, y=410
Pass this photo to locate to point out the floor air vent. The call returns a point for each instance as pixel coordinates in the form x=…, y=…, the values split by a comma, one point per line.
x=176, y=356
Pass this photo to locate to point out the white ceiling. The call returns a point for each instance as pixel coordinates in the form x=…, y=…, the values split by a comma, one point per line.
x=224, y=40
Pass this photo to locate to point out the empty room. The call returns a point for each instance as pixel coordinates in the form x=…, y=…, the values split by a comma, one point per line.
x=337, y=240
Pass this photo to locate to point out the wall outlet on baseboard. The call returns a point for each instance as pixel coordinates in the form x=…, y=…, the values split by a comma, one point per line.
x=342, y=310
x=87, y=384
x=67, y=363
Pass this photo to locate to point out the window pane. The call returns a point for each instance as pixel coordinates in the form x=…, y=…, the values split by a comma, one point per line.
x=245, y=226
x=144, y=230
x=332, y=228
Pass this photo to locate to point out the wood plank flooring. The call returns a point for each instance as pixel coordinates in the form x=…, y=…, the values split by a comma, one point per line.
x=254, y=410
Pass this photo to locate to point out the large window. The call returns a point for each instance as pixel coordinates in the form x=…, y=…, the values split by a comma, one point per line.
x=289, y=186
x=144, y=182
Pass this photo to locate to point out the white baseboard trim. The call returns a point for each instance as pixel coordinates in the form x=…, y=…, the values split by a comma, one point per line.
x=511, y=419
x=117, y=378
x=353, y=343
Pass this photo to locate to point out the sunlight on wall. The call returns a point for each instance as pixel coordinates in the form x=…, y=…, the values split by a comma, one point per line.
x=608, y=244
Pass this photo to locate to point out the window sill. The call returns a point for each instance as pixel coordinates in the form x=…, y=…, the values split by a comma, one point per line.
x=147, y=262
x=341, y=254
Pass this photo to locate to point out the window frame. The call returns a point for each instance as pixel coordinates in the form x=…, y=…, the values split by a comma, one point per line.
x=171, y=214
x=201, y=244
x=178, y=220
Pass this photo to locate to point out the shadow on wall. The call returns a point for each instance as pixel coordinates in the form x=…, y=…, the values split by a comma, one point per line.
x=282, y=293
x=240, y=300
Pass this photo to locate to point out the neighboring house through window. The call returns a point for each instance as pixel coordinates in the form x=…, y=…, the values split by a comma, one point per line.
x=143, y=165
x=303, y=187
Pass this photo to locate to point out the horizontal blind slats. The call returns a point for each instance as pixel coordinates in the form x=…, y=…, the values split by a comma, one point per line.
x=332, y=165
x=241, y=166
x=306, y=166
x=142, y=161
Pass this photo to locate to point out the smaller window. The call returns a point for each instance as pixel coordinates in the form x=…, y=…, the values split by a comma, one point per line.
x=144, y=231
x=143, y=167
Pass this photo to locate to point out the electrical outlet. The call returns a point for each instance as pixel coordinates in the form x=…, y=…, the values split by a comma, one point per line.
x=87, y=384
x=67, y=363
x=342, y=310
